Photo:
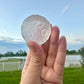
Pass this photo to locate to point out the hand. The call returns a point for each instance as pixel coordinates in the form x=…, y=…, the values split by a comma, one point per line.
x=45, y=64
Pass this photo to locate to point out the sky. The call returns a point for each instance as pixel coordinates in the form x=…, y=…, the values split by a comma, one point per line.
x=68, y=15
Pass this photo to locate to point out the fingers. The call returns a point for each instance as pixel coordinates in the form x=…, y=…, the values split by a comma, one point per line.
x=53, y=46
x=60, y=59
x=35, y=64
x=45, y=46
x=37, y=59
x=27, y=60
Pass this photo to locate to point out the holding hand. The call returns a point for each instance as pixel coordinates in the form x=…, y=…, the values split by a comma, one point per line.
x=45, y=64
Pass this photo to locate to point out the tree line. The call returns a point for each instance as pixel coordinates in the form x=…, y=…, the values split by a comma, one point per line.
x=24, y=53
x=73, y=52
x=10, y=54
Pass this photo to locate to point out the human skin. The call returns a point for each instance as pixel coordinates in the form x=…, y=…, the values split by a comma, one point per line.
x=45, y=63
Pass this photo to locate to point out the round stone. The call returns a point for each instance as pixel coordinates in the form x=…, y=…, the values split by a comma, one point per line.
x=36, y=28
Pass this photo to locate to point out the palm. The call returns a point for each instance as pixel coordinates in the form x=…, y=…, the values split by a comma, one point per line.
x=55, y=51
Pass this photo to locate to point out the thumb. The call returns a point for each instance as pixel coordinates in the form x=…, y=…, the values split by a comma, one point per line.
x=37, y=59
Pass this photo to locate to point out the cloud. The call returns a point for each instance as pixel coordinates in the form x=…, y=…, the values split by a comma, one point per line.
x=11, y=46
x=4, y=33
x=72, y=39
x=11, y=40
x=64, y=9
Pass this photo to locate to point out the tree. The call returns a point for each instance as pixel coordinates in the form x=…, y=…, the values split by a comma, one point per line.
x=1, y=55
x=67, y=51
x=21, y=53
x=82, y=54
x=71, y=52
x=24, y=54
x=79, y=51
x=9, y=54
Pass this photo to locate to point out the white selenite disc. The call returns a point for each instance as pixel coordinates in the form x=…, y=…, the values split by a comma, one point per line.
x=36, y=28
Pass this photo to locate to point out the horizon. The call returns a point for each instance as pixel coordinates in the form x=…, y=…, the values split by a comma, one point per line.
x=67, y=15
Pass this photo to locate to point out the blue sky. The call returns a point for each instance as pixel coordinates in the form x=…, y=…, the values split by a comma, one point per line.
x=67, y=14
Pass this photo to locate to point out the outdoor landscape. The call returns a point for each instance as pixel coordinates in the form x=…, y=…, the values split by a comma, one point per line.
x=71, y=75
x=24, y=53
x=68, y=15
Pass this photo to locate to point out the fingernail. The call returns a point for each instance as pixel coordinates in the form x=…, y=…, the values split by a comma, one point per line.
x=31, y=47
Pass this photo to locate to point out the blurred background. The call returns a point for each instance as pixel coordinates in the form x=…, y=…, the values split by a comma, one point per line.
x=68, y=15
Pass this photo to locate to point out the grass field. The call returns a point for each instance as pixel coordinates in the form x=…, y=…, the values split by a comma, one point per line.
x=71, y=76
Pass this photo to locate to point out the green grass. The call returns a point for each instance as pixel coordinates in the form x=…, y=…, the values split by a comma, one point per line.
x=10, y=77
x=71, y=76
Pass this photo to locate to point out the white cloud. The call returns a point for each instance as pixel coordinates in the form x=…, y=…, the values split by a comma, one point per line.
x=8, y=37
x=4, y=33
x=72, y=39
x=64, y=9
x=11, y=40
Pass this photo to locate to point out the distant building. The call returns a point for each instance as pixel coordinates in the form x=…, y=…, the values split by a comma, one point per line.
x=73, y=61
x=70, y=61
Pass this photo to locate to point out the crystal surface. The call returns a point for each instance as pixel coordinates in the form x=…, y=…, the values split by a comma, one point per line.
x=36, y=28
